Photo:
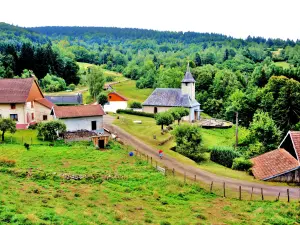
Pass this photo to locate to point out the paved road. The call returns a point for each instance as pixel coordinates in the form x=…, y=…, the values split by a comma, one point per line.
x=191, y=171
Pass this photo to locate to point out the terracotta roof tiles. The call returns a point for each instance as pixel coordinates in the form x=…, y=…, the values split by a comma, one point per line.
x=273, y=163
x=45, y=102
x=295, y=136
x=78, y=111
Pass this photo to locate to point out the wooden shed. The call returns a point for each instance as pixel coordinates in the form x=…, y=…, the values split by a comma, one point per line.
x=100, y=141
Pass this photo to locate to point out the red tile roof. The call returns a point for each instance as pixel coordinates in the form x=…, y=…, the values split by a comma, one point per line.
x=15, y=90
x=295, y=136
x=273, y=163
x=78, y=111
x=45, y=102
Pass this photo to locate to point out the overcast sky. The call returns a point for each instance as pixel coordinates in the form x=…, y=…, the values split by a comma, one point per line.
x=238, y=18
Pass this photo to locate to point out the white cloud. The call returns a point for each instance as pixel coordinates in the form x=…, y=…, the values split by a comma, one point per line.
x=238, y=18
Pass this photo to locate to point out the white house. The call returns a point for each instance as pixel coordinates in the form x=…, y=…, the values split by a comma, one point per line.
x=115, y=102
x=162, y=99
x=82, y=117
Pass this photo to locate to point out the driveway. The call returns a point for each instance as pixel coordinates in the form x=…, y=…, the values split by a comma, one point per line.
x=191, y=171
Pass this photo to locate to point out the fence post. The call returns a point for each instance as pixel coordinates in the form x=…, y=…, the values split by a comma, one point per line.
x=151, y=160
x=195, y=179
x=147, y=159
x=22, y=139
x=278, y=196
x=224, y=193
x=184, y=177
x=262, y=194
x=156, y=164
x=166, y=171
x=173, y=172
x=288, y=194
x=211, y=186
x=31, y=140
x=240, y=190
x=251, y=194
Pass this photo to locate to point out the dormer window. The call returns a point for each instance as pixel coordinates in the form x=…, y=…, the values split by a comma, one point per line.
x=13, y=106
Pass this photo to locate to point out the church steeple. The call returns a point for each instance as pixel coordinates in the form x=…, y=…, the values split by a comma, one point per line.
x=188, y=84
x=188, y=77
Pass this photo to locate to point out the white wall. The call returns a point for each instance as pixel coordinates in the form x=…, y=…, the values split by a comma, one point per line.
x=114, y=106
x=83, y=123
x=5, y=111
x=40, y=111
x=188, y=88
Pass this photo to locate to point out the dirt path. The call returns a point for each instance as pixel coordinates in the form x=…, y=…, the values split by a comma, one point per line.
x=191, y=171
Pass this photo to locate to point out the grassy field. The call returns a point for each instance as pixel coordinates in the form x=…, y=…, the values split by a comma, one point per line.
x=284, y=65
x=23, y=136
x=127, y=191
x=129, y=90
x=210, y=137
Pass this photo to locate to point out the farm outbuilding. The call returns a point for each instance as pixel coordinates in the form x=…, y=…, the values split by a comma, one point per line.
x=83, y=117
x=282, y=164
x=115, y=102
x=101, y=140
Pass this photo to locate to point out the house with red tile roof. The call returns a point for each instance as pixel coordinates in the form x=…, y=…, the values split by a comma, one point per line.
x=115, y=102
x=23, y=101
x=80, y=117
x=282, y=164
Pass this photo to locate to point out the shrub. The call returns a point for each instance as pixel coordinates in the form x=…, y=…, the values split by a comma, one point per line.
x=33, y=126
x=131, y=112
x=136, y=105
x=102, y=99
x=72, y=87
x=223, y=155
x=26, y=146
x=52, y=83
x=241, y=164
x=109, y=79
x=7, y=162
x=49, y=130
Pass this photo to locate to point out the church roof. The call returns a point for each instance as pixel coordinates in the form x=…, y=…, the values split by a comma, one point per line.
x=170, y=97
x=188, y=77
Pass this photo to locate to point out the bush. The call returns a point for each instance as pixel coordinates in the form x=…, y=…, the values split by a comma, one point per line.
x=49, y=130
x=109, y=79
x=7, y=162
x=223, y=156
x=52, y=83
x=241, y=164
x=72, y=87
x=102, y=99
x=136, y=105
x=32, y=126
x=27, y=146
x=131, y=112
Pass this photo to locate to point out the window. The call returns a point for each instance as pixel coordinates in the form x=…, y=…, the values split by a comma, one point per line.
x=13, y=106
x=32, y=116
x=94, y=125
x=45, y=117
x=31, y=104
x=14, y=117
x=109, y=97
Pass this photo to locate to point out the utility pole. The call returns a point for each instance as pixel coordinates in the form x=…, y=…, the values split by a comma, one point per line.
x=236, y=129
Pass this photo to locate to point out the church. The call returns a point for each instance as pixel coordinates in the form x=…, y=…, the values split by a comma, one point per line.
x=162, y=99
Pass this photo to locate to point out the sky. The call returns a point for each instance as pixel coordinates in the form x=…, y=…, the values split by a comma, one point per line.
x=237, y=18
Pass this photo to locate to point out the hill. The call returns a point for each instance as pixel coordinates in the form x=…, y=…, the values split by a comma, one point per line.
x=40, y=189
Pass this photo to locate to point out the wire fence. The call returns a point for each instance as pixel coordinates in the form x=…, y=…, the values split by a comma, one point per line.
x=219, y=188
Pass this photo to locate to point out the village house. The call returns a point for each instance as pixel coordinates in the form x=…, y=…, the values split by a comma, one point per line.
x=282, y=164
x=115, y=102
x=23, y=101
x=162, y=99
x=81, y=117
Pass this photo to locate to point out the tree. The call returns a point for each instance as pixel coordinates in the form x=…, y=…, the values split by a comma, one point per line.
x=169, y=78
x=188, y=141
x=136, y=105
x=198, y=61
x=264, y=130
x=70, y=72
x=164, y=118
x=49, y=130
x=52, y=83
x=102, y=98
x=7, y=125
x=178, y=113
x=95, y=80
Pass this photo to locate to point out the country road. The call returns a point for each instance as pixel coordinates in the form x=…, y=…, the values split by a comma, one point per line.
x=191, y=171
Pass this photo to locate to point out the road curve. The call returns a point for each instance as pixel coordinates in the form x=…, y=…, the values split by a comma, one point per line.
x=191, y=171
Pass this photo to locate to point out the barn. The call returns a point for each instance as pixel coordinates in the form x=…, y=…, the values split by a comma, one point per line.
x=81, y=117
x=115, y=102
x=282, y=164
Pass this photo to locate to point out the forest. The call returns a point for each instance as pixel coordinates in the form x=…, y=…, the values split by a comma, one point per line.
x=256, y=77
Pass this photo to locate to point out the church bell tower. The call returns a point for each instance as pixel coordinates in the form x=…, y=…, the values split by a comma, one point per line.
x=188, y=84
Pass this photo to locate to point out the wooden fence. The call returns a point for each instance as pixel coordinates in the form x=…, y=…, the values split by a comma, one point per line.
x=216, y=187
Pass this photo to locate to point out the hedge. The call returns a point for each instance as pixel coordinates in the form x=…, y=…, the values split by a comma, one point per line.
x=241, y=164
x=223, y=155
x=131, y=112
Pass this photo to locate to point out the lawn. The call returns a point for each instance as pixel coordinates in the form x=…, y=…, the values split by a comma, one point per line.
x=210, y=137
x=23, y=136
x=284, y=65
x=129, y=90
x=128, y=191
